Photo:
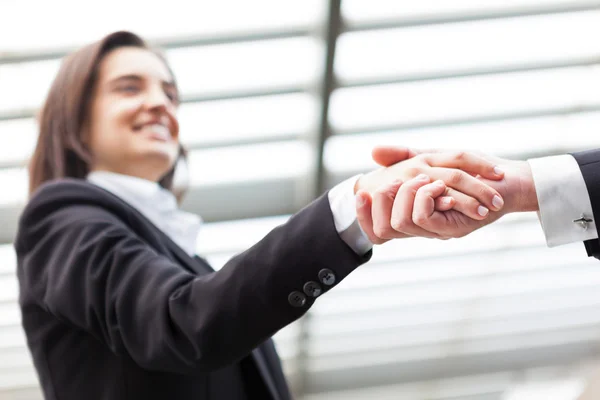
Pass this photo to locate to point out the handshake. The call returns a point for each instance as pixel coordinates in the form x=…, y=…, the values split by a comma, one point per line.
x=439, y=194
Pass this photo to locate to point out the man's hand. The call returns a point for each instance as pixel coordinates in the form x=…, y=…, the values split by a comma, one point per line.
x=421, y=204
x=387, y=189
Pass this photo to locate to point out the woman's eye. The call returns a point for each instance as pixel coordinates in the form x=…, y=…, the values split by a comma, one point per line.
x=171, y=96
x=129, y=89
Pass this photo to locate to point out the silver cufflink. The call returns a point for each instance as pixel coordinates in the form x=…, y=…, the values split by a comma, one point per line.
x=583, y=221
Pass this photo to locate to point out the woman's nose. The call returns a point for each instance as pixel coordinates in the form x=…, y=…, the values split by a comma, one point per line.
x=156, y=98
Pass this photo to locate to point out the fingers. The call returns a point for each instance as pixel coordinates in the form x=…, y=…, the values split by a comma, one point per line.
x=471, y=187
x=467, y=205
x=364, y=216
x=468, y=162
x=390, y=155
x=381, y=210
x=415, y=208
x=402, y=212
x=424, y=213
x=450, y=224
x=444, y=203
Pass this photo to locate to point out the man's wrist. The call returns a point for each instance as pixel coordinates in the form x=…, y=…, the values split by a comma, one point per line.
x=528, y=198
x=517, y=188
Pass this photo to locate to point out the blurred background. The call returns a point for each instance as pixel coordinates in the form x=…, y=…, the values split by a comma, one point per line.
x=282, y=100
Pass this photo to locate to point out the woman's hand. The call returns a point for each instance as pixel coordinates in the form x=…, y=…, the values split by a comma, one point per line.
x=388, y=194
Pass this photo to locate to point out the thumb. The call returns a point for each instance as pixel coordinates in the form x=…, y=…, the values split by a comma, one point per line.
x=390, y=155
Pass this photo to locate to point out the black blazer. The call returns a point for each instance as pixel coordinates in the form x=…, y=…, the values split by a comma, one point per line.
x=113, y=309
x=589, y=163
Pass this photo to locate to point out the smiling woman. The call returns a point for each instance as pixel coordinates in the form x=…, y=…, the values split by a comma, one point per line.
x=132, y=128
x=115, y=302
x=111, y=108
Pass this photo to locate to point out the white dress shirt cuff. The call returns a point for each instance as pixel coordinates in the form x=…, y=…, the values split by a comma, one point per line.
x=343, y=207
x=563, y=198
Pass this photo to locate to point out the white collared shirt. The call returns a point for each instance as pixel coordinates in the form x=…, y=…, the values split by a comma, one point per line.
x=155, y=203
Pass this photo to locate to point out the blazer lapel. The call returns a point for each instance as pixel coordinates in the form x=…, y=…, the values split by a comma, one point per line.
x=198, y=266
x=194, y=264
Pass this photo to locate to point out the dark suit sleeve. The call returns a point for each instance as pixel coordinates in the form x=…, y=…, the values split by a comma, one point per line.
x=86, y=267
x=589, y=163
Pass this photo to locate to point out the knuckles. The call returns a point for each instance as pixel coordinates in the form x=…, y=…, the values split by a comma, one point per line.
x=421, y=220
x=456, y=177
x=401, y=224
x=460, y=155
x=382, y=231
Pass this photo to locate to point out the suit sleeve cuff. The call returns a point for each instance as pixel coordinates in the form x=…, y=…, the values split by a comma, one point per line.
x=562, y=197
x=343, y=208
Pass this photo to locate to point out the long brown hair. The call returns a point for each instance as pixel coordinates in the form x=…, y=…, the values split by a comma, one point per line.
x=60, y=151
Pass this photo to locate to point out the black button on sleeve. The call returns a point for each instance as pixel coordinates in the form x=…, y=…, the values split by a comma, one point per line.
x=312, y=289
x=297, y=299
x=327, y=277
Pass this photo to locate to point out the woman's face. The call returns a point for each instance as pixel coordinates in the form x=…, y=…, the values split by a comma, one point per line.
x=132, y=127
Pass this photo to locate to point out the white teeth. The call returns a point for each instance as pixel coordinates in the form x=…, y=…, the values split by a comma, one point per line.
x=159, y=129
